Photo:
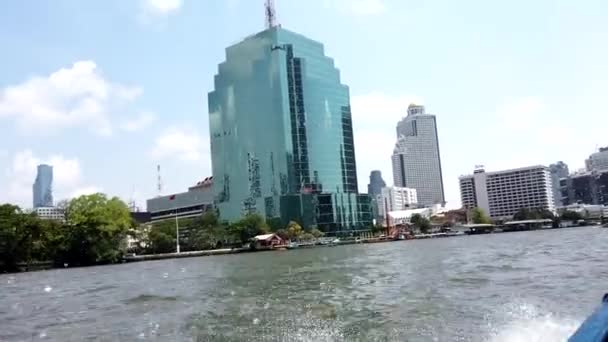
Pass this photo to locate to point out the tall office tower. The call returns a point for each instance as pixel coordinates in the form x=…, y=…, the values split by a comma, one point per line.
x=374, y=190
x=558, y=171
x=43, y=187
x=281, y=135
x=501, y=194
x=416, y=158
x=376, y=183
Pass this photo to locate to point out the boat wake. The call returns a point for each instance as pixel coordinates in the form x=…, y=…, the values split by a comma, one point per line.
x=524, y=322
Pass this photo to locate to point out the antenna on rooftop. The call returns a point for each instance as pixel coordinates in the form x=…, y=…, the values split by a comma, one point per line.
x=159, y=182
x=271, y=14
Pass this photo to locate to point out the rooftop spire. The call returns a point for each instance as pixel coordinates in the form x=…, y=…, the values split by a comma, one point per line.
x=271, y=16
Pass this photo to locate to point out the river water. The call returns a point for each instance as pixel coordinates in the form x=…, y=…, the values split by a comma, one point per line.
x=527, y=286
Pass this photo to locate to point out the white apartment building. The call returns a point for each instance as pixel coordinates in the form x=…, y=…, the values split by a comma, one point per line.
x=50, y=213
x=501, y=194
x=395, y=198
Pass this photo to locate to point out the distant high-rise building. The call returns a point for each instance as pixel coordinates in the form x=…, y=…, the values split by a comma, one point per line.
x=43, y=187
x=416, y=158
x=376, y=183
x=598, y=161
x=585, y=188
x=558, y=171
x=501, y=194
x=374, y=190
x=281, y=135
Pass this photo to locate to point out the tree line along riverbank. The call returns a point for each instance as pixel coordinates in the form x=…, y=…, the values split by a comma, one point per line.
x=99, y=230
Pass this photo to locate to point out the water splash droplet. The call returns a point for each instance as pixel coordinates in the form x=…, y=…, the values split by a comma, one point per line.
x=166, y=275
x=43, y=334
x=48, y=289
x=256, y=321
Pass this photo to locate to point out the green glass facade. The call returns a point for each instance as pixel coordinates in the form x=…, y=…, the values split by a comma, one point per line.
x=281, y=135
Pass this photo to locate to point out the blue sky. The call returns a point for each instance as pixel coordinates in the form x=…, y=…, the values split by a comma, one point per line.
x=106, y=90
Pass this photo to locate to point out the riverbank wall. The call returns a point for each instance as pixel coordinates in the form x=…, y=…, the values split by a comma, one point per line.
x=149, y=257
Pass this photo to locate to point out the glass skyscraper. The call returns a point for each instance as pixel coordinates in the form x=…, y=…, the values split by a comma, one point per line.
x=43, y=187
x=281, y=135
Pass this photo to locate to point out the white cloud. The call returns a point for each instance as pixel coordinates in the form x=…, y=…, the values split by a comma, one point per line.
x=358, y=7
x=161, y=7
x=86, y=190
x=143, y=120
x=182, y=144
x=375, y=117
x=74, y=96
x=67, y=177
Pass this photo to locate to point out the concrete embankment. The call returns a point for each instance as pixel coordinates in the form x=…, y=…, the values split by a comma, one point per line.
x=136, y=258
x=148, y=257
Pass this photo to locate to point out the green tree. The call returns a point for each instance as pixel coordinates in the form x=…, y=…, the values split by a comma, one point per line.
x=97, y=232
x=533, y=214
x=479, y=216
x=294, y=230
x=317, y=233
x=306, y=237
x=275, y=224
x=282, y=233
x=25, y=238
x=208, y=233
x=424, y=226
x=15, y=239
x=569, y=215
x=377, y=229
x=416, y=219
x=209, y=220
x=422, y=223
x=248, y=227
x=161, y=238
x=48, y=244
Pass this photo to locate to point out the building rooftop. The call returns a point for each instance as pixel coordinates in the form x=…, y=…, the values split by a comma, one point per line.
x=528, y=221
x=526, y=168
x=404, y=214
x=264, y=237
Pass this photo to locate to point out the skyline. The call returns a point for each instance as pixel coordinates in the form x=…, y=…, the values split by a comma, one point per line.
x=537, y=85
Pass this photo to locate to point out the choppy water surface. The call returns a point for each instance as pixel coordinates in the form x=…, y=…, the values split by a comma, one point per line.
x=529, y=286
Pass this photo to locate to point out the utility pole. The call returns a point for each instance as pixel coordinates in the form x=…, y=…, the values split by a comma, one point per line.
x=177, y=232
x=388, y=219
x=159, y=182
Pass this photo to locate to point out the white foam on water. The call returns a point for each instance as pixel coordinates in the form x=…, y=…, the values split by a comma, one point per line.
x=48, y=289
x=547, y=329
x=526, y=323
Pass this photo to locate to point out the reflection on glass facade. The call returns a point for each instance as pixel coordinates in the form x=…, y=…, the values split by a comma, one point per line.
x=281, y=135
